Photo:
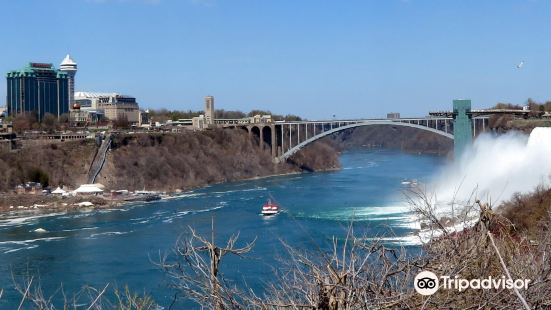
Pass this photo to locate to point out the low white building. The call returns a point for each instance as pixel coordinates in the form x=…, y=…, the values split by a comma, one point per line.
x=90, y=189
x=59, y=191
x=199, y=122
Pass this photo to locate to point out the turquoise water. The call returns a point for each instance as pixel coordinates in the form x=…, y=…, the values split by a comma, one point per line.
x=117, y=246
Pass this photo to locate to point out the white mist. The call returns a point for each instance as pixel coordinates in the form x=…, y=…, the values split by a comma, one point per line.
x=496, y=167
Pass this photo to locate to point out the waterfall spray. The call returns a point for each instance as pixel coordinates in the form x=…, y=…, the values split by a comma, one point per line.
x=497, y=167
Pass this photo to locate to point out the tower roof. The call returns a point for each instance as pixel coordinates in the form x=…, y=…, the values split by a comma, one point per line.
x=68, y=61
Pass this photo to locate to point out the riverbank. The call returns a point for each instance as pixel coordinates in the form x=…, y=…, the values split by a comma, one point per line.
x=171, y=163
x=10, y=202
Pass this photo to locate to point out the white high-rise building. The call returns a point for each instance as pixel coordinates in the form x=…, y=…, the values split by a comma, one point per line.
x=209, y=110
x=70, y=66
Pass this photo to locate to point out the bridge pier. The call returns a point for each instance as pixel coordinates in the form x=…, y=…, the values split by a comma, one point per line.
x=274, y=140
x=261, y=138
x=462, y=126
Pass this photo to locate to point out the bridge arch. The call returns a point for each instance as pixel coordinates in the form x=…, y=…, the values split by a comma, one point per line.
x=303, y=144
x=255, y=131
x=266, y=136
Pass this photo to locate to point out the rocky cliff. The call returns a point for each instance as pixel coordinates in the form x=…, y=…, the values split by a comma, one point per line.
x=181, y=161
x=51, y=164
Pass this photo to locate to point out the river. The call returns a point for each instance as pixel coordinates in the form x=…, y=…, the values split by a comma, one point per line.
x=118, y=246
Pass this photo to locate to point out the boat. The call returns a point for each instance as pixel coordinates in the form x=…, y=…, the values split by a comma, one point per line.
x=142, y=197
x=270, y=208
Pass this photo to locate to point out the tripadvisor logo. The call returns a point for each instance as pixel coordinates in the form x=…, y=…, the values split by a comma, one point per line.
x=427, y=283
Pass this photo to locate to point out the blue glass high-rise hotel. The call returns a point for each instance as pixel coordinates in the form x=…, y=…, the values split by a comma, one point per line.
x=38, y=88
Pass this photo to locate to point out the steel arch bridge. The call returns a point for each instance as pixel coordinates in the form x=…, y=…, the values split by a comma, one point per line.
x=290, y=152
x=285, y=138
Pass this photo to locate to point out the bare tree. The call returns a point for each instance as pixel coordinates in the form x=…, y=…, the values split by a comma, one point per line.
x=358, y=273
x=196, y=270
x=88, y=298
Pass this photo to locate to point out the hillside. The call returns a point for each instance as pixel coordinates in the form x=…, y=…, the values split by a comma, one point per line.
x=172, y=162
x=51, y=164
x=405, y=139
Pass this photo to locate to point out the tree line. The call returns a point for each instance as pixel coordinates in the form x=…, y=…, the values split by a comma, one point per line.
x=532, y=105
x=162, y=115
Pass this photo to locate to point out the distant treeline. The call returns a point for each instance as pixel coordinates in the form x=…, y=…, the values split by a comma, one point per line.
x=532, y=105
x=162, y=115
x=29, y=121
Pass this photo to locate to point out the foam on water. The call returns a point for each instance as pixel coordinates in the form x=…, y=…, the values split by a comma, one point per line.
x=110, y=233
x=31, y=240
x=25, y=219
x=79, y=229
x=121, y=209
x=239, y=190
x=388, y=210
x=32, y=246
x=183, y=195
x=426, y=235
x=408, y=240
x=395, y=213
x=179, y=214
x=26, y=244
x=388, y=218
x=369, y=165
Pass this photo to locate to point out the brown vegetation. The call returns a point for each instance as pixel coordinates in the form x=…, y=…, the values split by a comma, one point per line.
x=121, y=122
x=88, y=298
x=50, y=123
x=156, y=161
x=535, y=107
x=504, y=123
x=529, y=213
x=182, y=161
x=50, y=164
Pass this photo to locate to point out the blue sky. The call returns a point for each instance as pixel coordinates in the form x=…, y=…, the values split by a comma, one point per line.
x=312, y=58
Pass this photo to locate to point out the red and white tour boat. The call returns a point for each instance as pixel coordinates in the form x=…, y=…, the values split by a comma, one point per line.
x=270, y=208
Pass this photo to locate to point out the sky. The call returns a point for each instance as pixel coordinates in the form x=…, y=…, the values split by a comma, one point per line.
x=351, y=59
